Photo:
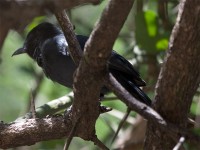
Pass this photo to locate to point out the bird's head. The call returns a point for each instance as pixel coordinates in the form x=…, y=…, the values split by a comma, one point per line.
x=35, y=39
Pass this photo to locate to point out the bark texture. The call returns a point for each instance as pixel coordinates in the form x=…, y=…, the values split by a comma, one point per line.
x=16, y=14
x=93, y=65
x=30, y=131
x=179, y=77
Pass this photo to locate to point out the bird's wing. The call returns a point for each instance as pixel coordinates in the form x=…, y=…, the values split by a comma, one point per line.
x=120, y=64
x=57, y=63
x=131, y=87
x=82, y=40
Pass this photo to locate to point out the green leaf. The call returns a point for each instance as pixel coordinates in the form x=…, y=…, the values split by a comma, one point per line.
x=149, y=35
x=162, y=44
x=146, y=30
x=194, y=108
x=151, y=23
x=34, y=23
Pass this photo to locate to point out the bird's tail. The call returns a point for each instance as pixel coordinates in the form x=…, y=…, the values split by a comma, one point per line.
x=140, y=94
x=134, y=90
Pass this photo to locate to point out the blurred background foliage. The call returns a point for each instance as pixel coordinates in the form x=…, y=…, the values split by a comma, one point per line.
x=143, y=40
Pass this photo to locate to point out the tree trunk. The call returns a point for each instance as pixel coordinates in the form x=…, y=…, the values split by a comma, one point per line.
x=179, y=77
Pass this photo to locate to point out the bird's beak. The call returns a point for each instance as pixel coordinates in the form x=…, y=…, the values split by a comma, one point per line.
x=19, y=51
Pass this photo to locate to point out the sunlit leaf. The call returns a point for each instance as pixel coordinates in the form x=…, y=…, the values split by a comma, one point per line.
x=162, y=44
x=146, y=30
x=34, y=23
x=151, y=23
x=149, y=36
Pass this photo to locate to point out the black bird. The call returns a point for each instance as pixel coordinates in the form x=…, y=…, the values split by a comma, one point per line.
x=46, y=45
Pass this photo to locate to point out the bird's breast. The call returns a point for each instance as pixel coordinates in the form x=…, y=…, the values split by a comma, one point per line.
x=60, y=69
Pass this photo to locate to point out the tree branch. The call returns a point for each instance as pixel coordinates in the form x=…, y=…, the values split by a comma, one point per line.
x=51, y=107
x=147, y=112
x=99, y=46
x=37, y=7
x=74, y=47
x=144, y=110
x=28, y=132
x=97, y=49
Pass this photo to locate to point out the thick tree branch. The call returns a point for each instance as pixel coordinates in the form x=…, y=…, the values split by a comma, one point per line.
x=26, y=10
x=28, y=132
x=180, y=74
x=100, y=43
x=92, y=66
x=41, y=6
x=37, y=7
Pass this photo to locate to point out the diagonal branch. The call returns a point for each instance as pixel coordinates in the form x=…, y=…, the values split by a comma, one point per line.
x=99, y=45
x=52, y=107
x=74, y=47
x=147, y=112
x=144, y=110
x=92, y=66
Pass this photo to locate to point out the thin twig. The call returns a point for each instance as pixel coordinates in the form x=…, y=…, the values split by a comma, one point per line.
x=52, y=107
x=38, y=82
x=109, y=98
x=71, y=135
x=67, y=27
x=99, y=143
x=180, y=143
x=121, y=124
x=32, y=105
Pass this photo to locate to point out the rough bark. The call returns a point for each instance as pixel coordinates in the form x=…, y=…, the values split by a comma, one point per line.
x=16, y=14
x=28, y=132
x=68, y=30
x=93, y=66
x=179, y=77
